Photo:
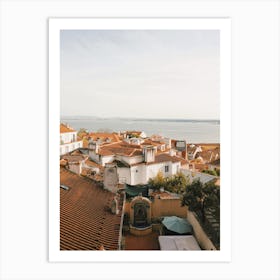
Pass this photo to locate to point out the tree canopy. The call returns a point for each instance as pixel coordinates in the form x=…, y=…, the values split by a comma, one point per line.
x=199, y=197
x=176, y=183
x=215, y=172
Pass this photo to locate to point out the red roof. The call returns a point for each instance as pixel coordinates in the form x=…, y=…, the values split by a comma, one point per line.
x=165, y=158
x=120, y=148
x=64, y=128
x=86, y=222
x=104, y=136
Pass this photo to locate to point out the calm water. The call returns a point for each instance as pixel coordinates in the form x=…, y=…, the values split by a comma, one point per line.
x=193, y=131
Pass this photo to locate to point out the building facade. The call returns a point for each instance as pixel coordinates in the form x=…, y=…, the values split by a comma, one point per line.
x=68, y=139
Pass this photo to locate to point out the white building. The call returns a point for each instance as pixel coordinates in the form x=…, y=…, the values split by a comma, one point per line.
x=136, y=164
x=68, y=139
x=140, y=173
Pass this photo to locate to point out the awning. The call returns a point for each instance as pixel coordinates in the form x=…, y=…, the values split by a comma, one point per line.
x=174, y=243
x=136, y=190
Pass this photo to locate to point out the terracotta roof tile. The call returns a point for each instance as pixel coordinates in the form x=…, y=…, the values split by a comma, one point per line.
x=74, y=158
x=104, y=135
x=165, y=158
x=64, y=128
x=92, y=163
x=154, y=143
x=210, y=155
x=86, y=222
x=120, y=148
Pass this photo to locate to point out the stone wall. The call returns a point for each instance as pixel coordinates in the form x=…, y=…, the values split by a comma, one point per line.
x=168, y=207
x=201, y=237
x=164, y=207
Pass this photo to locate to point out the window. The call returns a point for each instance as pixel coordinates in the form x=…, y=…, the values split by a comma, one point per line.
x=166, y=168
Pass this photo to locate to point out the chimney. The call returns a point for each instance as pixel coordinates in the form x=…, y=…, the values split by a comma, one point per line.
x=111, y=178
x=185, y=154
x=167, y=141
x=75, y=166
x=115, y=206
x=93, y=145
x=149, y=153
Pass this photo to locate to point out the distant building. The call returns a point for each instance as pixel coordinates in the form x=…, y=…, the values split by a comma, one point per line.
x=134, y=133
x=208, y=156
x=68, y=139
x=193, y=150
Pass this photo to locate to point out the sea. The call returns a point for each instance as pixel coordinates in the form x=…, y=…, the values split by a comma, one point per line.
x=193, y=131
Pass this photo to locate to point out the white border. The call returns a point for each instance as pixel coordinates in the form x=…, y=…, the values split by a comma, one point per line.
x=222, y=24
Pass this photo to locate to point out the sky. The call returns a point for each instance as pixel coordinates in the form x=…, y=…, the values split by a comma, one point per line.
x=140, y=73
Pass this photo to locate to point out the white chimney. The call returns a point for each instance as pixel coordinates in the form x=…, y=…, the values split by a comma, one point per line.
x=93, y=145
x=149, y=153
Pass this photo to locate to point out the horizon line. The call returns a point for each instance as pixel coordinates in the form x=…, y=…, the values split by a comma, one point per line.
x=139, y=118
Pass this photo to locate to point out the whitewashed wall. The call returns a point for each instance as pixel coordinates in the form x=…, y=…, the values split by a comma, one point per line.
x=66, y=148
x=124, y=175
x=138, y=174
x=131, y=160
x=107, y=159
x=68, y=137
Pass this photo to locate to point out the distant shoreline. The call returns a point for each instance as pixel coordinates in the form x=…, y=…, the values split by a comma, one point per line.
x=78, y=118
x=194, y=131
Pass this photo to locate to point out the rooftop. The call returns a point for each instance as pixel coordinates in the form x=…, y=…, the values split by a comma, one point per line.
x=65, y=128
x=165, y=158
x=121, y=148
x=103, y=136
x=74, y=158
x=86, y=222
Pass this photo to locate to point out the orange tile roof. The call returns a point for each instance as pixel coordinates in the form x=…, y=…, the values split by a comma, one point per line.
x=210, y=155
x=154, y=143
x=86, y=222
x=200, y=166
x=120, y=148
x=91, y=163
x=64, y=128
x=74, y=158
x=165, y=158
x=114, y=137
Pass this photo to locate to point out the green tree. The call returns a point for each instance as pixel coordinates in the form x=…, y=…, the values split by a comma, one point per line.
x=217, y=171
x=199, y=197
x=177, y=183
x=211, y=172
x=82, y=132
x=157, y=182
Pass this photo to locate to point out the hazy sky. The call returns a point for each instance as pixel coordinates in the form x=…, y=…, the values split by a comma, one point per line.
x=149, y=74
